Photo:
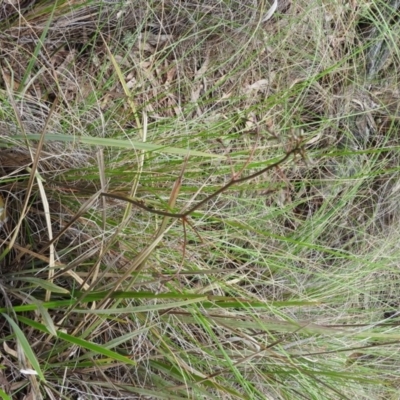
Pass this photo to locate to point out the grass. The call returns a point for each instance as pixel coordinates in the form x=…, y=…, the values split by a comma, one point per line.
x=189, y=280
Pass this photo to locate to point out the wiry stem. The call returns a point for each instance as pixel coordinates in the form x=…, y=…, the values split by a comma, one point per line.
x=232, y=182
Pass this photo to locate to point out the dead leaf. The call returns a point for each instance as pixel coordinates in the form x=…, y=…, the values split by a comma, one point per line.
x=256, y=86
x=9, y=350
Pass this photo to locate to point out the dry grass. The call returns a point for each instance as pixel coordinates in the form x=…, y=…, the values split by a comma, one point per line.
x=284, y=286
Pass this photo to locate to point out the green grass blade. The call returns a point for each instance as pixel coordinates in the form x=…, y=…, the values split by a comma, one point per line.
x=95, y=348
x=25, y=346
x=121, y=144
x=4, y=395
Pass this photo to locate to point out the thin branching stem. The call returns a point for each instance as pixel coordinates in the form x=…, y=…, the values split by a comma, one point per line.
x=232, y=182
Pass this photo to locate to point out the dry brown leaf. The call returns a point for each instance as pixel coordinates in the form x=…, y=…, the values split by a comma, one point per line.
x=9, y=350
x=256, y=86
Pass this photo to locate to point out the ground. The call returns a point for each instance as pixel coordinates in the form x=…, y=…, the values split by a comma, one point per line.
x=199, y=199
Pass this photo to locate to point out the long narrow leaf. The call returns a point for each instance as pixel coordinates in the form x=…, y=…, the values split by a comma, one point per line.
x=4, y=395
x=122, y=144
x=95, y=348
x=23, y=341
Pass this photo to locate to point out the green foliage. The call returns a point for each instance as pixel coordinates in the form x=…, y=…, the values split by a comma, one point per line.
x=191, y=280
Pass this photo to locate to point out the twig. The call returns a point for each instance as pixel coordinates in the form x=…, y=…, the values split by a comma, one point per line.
x=183, y=215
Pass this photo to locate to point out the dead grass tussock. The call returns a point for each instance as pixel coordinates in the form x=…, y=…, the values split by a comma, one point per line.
x=289, y=267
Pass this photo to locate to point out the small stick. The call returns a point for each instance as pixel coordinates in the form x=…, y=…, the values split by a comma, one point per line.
x=233, y=181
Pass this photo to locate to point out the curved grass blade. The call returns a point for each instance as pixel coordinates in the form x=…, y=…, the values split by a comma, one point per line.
x=123, y=144
x=23, y=341
x=4, y=395
x=95, y=348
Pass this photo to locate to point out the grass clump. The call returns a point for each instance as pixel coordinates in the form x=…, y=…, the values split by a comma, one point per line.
x=199, y=200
